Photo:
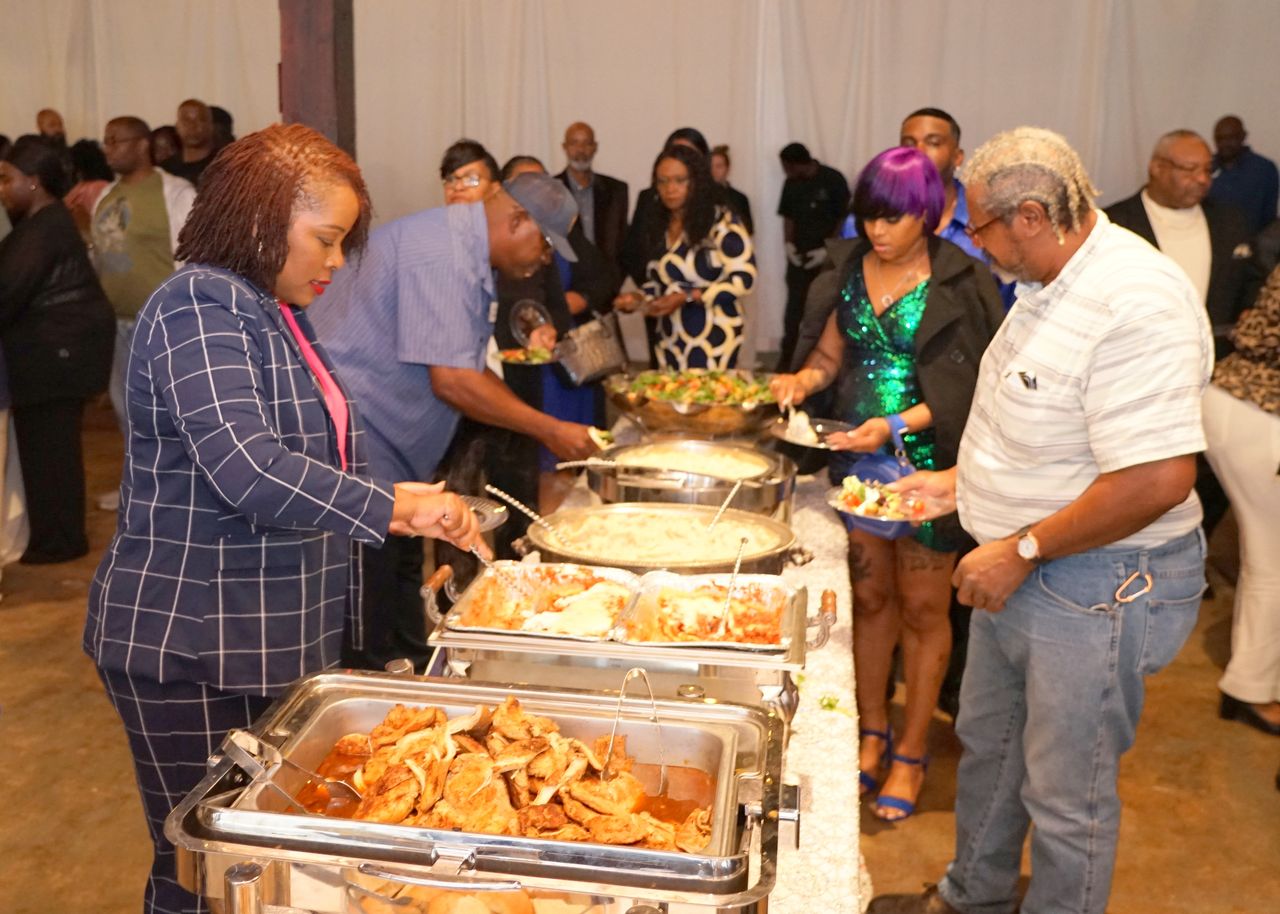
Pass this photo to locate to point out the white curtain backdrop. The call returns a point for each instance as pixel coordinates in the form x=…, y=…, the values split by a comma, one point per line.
x=837, y=75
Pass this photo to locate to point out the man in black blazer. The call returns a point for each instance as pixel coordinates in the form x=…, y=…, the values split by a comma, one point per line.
x=1210, y=240
x=602, y=200
x=1207, y=238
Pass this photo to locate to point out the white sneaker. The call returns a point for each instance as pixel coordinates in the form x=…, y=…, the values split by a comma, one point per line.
x=108, y=501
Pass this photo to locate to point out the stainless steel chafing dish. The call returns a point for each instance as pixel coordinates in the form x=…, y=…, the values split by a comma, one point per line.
x=320, y=864
x=768, y=560
x=746, y=673
x=769, y=491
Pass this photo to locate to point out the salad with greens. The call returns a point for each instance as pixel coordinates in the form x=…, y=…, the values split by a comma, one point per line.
x=729, y=388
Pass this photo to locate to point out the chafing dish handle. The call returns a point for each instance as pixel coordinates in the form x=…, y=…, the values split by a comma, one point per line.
x=242, y=888
x=825, y=619
x=457, y=883
x=430, y=594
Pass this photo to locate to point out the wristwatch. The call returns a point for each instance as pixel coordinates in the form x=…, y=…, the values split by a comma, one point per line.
x=1029, y=546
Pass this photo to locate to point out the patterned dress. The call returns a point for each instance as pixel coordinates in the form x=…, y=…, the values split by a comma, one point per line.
x=878, y=377
x=706, y=333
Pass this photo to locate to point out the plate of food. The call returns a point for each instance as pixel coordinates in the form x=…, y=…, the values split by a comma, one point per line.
x=533, y=355
x=872, y=501
x=489, y=513
x=799, y=428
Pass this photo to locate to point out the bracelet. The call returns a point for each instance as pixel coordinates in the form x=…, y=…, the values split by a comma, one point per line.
x=897, y=424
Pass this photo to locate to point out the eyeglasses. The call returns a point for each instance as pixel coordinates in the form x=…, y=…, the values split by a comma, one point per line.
x=679, y=181
x=456, y=180
x=973, y=231
x=1189, y=169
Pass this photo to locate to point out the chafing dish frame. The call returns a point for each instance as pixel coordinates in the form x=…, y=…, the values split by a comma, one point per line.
x=305, y=856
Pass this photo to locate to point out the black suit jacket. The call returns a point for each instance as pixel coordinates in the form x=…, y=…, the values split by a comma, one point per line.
x=611, y=200
x=1234, y=273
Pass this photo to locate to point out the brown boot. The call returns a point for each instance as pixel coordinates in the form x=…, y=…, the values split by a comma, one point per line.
x=928, y=902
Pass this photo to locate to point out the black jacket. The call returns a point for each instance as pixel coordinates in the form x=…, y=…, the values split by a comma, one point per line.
x=1234, y=273
x=611, y=201
x=57, y=326
x=962, y=312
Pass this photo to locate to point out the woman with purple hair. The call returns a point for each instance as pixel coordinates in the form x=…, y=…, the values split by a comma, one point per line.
x=913, y=315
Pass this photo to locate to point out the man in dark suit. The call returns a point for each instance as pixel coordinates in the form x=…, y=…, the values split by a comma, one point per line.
x=1209, y=239
x=602, y=200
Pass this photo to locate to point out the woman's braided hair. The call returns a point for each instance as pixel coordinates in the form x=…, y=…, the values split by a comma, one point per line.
x=1031, y=163
x=250, y=193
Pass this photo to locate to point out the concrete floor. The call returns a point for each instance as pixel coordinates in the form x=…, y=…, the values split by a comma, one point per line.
x=1201, y=827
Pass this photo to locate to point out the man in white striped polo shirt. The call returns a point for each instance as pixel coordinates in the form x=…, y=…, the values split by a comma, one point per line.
x=1075, y=477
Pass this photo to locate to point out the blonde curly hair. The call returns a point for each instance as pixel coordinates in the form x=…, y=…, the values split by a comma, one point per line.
x=1031, y=163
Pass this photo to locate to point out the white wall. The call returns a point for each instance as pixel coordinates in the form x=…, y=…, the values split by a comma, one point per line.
x=836, y=74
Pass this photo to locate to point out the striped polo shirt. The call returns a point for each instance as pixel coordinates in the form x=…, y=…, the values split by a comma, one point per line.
x=1100, y=370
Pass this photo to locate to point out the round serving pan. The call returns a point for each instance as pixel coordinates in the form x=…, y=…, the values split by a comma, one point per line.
x=704, y=420
x=770, y=492
x=766, y=561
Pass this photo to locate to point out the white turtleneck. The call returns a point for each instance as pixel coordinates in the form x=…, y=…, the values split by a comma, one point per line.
x=1183, y=234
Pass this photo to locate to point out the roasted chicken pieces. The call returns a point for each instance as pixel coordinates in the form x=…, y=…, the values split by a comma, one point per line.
x=507, y=772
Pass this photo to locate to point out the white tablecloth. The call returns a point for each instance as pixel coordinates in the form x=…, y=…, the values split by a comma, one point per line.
x=827, y=873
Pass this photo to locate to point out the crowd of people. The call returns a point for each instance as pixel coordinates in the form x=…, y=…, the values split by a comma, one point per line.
x=293, y=428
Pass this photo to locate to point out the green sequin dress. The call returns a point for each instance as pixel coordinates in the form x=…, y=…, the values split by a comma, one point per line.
x=878, y=377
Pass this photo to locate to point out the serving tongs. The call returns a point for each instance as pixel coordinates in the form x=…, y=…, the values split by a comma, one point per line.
x=637, y=673
x=258, y=758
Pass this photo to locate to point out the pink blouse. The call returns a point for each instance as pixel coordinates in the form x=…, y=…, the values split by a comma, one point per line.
x=334, y=400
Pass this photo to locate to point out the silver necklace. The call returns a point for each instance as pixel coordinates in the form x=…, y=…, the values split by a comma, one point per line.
x=891, y=296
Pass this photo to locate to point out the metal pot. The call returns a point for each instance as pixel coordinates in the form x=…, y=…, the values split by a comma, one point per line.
x=770, y=492
x=766, y=559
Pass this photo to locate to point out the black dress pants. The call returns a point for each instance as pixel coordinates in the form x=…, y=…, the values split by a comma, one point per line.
x=798, y=282
x=49, y=448
x=391, y=606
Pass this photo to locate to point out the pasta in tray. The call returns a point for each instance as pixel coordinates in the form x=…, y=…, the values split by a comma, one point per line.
x=676, y=613
x=548, y=599
x=662, y=537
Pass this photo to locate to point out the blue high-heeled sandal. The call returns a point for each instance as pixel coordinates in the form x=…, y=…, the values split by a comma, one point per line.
x=888, y=801
x=866, y=780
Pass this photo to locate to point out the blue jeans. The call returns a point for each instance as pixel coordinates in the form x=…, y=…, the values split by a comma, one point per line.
x=1053, y=688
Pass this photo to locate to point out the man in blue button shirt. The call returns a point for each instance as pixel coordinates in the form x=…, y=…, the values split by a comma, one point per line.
x=408, y=328
x=1241, y=177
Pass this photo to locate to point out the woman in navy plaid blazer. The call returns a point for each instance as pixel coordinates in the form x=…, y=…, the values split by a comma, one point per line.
x=234, y=566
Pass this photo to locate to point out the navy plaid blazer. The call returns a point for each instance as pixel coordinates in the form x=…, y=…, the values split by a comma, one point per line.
x=234, y=561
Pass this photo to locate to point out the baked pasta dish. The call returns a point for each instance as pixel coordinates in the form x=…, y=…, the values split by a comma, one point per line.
x=549, y=599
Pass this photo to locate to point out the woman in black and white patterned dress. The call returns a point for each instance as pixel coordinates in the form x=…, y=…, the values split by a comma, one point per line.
x=701, y=264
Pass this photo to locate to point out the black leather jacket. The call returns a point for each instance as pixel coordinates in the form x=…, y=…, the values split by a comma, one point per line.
x=56, y=324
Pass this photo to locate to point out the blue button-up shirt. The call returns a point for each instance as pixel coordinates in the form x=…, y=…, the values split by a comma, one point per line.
x=1252, y=184
x=954, y=232
x=418, y=296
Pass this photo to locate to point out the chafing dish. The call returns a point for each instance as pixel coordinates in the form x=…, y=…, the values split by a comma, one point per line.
x=706, y=420
x=745, y=673
x=769, y=491
x=321, y=864
x=778, y=542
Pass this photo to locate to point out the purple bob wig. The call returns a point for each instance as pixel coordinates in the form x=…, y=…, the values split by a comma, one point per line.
x=898, y=182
